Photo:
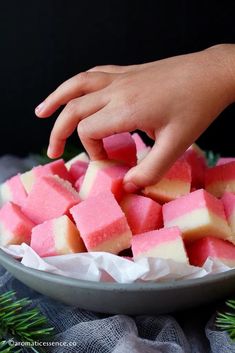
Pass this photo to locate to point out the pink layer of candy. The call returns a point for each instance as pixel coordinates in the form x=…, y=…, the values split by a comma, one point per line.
x=224, y=172
x=198, y=165
x=49, y=198
x=109, y=232
x=145, y=241
x=179, y=171
x=225, y=160
x=121, y=147
x=142, y=213
x=78, y=169
x=78, y=183
x=199, y=251
x=228, y=200
x=195, y=200
x=109, y=179
x=17, y=190
x=15, y=221
x=42, y=240
x=99, y=218
x=54, y=168
x=140, y=145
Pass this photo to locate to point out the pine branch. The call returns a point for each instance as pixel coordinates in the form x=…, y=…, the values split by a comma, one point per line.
x=226, y=320
x=211, y=158
x=5, y=348
x=20, y=325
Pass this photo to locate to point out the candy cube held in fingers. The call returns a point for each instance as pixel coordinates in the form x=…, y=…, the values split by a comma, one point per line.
x=49, y=198
x=175, y=183
x=143, y=214
x=121, y=147
x=215, y=248
x=165, y=243
x=197, y=214
x=102, y=224
x=103, y=176
x=57, y=236
x=15, y=227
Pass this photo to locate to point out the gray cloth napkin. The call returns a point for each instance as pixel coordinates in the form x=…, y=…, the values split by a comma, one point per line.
x=191, y=331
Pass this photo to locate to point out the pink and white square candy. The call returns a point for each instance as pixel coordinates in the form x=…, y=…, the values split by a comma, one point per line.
x=15, y=227
x=143, y=214
x=220, y=179
x=197, y=161
x=54, y=168
x=121, y=147
x=174, y=184
x=102, y=224
x=197, y=214
x=103, y=176
x=77, y=170
x=13, y=190
x=215, y=248
x=82, y=157
x=165, y=243
x=228, y=200
x=57, y=236
x=49, y=198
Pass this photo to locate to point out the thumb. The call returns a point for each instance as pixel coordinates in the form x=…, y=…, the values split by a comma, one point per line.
x=151, y=169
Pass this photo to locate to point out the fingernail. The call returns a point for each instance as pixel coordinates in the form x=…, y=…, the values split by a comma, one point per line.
x=40, y=107
x=130, y=187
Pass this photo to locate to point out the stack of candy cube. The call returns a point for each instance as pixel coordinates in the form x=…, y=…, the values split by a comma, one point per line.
x=80, y=206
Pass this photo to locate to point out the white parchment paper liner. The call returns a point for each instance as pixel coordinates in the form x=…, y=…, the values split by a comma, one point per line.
x=102, y=266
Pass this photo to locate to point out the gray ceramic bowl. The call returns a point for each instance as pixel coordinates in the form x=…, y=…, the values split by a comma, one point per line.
x=113, y=298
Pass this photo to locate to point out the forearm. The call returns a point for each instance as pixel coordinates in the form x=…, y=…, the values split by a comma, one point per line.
x=223, y=57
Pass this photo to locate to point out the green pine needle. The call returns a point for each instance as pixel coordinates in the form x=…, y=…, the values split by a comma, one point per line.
x=211, y=158
x=226, y=320
x=5, y=348
x=19, y=324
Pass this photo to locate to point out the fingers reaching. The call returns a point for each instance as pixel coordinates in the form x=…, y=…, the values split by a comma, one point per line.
x=83, y=83
x=163, y=154
x=103, y=123
x=72, y=114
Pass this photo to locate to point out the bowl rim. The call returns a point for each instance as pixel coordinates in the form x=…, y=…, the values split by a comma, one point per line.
x=107, y=286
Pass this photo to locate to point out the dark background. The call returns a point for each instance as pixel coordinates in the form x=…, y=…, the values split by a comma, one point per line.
x=45, y=42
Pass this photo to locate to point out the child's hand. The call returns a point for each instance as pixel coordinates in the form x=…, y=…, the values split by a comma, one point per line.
x=172, y=100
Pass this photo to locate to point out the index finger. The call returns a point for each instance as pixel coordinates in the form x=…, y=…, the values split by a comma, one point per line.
x=83, y=83
x=76, y=110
